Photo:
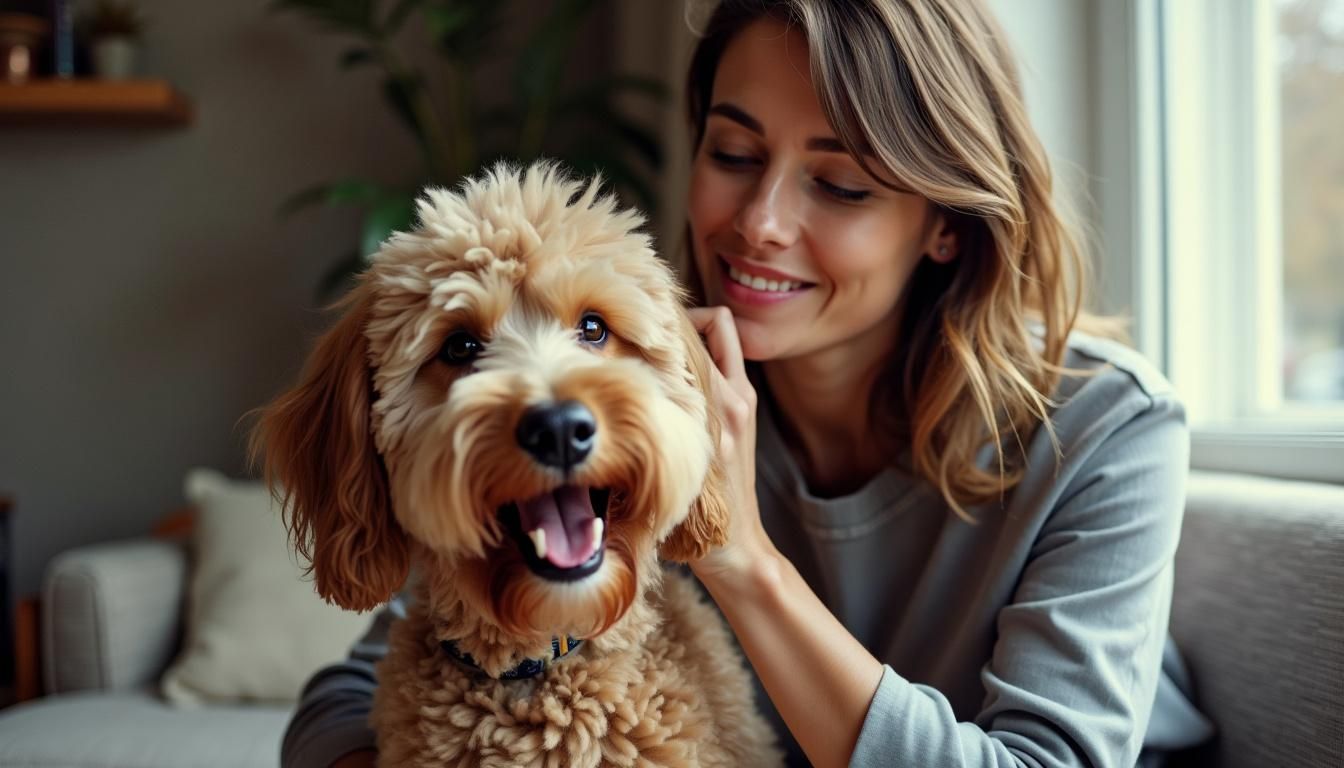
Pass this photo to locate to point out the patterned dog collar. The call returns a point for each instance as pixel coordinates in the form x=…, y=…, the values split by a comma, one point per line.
x=560, y=648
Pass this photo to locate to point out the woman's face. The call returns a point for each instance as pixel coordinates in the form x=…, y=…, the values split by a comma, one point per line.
x=806, y=249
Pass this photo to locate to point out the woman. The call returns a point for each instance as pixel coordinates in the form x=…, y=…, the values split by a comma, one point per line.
x=955, y=511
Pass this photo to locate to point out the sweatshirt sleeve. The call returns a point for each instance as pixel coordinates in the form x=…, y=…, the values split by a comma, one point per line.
x=332, y=717
x=1078, y=651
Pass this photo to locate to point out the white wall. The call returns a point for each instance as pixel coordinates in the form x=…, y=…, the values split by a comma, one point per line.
x=1076, y=58
x=1051, y=39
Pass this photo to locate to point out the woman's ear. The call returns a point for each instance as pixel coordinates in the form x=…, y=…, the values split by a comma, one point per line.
x=706, y=525
x=320, y=462
x=941, y=242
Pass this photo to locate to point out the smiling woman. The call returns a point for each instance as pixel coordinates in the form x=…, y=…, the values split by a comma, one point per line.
x=771, y=176
x=872, y=229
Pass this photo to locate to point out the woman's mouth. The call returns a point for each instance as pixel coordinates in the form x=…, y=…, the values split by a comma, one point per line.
x=744, y=288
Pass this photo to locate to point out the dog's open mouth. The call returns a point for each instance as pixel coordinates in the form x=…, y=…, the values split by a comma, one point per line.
x=561, y=532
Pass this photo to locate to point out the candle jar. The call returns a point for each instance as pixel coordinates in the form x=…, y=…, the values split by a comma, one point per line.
x=20, y=34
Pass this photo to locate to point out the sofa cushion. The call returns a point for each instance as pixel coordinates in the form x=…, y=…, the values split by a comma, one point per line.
x=256, y=629
x=1258, y=610
x=136, y=729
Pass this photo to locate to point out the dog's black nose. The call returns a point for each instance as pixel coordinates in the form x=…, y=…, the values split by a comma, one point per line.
x=558, y=435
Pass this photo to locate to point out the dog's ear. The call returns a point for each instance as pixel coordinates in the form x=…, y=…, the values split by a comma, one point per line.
x=320, y=461
x=706, y=525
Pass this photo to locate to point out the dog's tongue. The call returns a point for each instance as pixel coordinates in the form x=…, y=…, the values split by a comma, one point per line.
x=566, y=515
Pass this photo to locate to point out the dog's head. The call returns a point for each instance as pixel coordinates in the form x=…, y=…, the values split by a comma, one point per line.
x=514, y=393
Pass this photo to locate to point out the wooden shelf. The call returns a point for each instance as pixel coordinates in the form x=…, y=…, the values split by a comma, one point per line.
x=90, y=102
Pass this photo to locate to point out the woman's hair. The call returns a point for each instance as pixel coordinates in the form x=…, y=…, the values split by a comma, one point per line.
x=928, y=91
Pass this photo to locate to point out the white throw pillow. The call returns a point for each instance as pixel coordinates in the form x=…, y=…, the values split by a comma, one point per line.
x=256, y=628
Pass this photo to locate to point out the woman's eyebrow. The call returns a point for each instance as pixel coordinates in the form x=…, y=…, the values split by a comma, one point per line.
x=739, y=116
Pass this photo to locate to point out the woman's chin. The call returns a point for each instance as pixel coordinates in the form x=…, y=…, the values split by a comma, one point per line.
x=759, y=343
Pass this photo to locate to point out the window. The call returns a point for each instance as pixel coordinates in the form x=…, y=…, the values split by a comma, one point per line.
x=1227, y=138
x=1310, y=69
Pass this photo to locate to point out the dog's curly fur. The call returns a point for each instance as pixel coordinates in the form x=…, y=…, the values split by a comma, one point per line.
x=393, y=460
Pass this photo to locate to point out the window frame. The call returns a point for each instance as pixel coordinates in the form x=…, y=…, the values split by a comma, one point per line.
x=1204, y=280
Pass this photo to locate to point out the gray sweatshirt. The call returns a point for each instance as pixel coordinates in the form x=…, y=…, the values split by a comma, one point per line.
x=1035, y=637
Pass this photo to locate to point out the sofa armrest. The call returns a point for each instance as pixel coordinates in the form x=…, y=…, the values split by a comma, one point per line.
x=111, y=614
x=1258, y=610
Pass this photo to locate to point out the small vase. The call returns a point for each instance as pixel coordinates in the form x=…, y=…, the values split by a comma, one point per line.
x=114, y=57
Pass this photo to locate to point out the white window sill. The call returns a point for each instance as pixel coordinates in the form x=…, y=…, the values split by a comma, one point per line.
x=1289, y=455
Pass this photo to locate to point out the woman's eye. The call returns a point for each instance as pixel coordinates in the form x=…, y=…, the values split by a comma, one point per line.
x=592, y=330
x=460, y=348
x=732, y=161
x=842, y=193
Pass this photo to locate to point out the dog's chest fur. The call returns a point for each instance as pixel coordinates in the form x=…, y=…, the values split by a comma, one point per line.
x=682, y=699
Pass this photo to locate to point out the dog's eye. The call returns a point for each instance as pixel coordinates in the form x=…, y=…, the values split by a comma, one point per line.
x=460, y=348
x=592, y=330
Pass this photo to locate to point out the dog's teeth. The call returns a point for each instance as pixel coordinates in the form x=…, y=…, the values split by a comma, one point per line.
x=598, y=526
x=538, y=537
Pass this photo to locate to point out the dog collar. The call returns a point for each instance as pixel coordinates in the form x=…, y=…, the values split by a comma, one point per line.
x=560, y=648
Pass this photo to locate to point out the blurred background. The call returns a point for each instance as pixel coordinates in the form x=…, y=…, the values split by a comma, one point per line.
x=164, y=259
x=153, y=287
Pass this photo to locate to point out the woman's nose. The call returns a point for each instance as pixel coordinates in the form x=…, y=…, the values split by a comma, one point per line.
x=769, y=216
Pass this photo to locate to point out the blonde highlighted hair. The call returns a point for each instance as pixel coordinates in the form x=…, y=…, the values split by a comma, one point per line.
x=928, y=91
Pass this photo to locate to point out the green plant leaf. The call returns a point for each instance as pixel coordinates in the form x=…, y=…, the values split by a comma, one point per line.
x=345, y=192
x=540, y=65
x=394, y=213
x=446, y=22
x=538, y=116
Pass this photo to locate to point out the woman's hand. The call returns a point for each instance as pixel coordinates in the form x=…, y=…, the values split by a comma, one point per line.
x=735, y=401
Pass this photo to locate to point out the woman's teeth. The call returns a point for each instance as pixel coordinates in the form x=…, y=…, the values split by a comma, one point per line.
x=760, y=283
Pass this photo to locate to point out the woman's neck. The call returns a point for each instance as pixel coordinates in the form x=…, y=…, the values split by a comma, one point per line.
x=823, y=407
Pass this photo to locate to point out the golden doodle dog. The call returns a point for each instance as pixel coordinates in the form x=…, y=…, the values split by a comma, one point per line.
x=510, y=421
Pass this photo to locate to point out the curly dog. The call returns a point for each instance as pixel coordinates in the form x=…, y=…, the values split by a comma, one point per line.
x=509, y=422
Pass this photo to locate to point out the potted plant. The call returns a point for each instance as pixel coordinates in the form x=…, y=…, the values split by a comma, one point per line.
x=460, y=130
x=113, y=29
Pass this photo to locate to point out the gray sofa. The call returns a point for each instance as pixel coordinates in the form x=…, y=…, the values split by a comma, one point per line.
x=1258, y=611
x=111, y=623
